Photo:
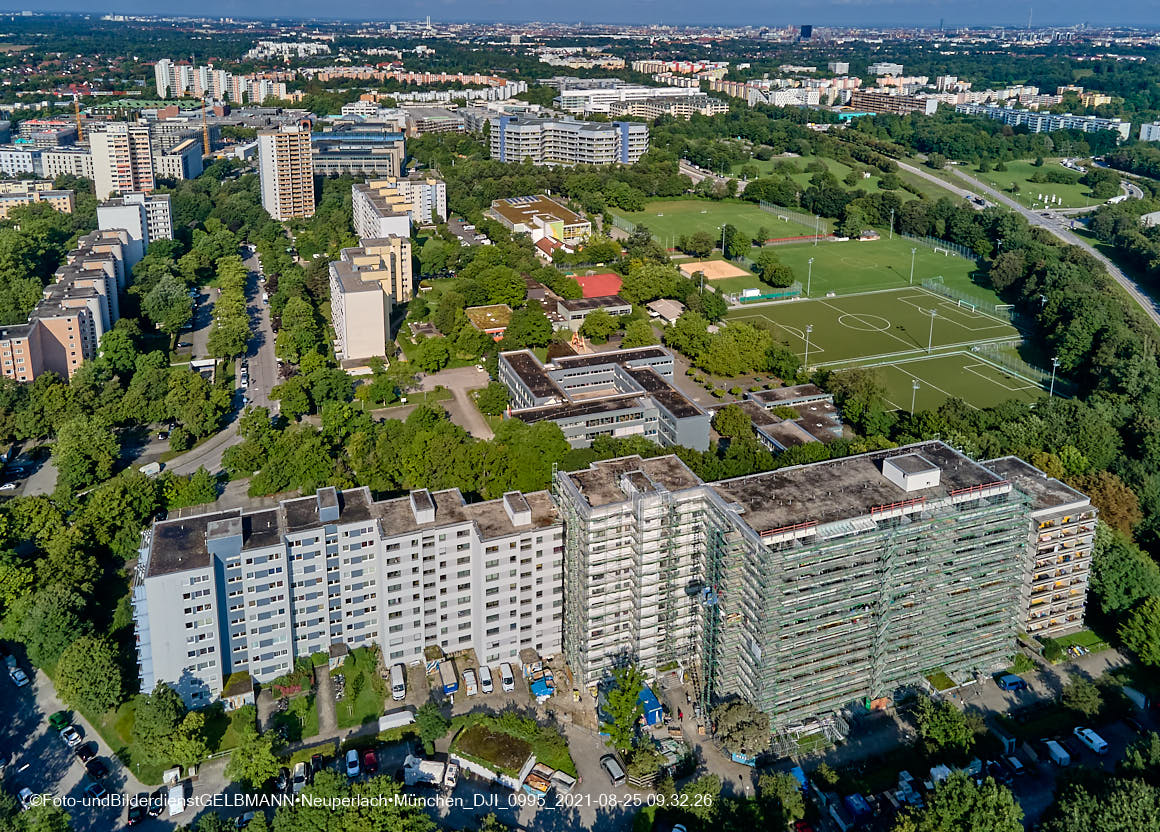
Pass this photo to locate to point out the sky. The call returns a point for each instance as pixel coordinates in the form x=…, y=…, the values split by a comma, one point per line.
x=723, y=12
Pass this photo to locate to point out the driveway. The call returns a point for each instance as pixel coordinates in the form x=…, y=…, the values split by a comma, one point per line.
x=202, y=320
x=462, y=409
x=324, y=700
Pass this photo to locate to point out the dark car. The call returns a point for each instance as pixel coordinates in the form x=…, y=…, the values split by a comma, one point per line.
x=282, y=781
x=137, y=813
x=157, y=802
x=370, y=762
x=86, y=751
x=316, y=765
x=97, y=769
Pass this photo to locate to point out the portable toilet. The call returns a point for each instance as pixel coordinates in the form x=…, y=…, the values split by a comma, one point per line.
x=651, y=706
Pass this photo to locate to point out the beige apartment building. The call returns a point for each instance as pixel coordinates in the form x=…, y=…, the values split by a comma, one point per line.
x=122, y=159
x=18, y=193
x=286, y=171
x=365, y=283
x=387, y=206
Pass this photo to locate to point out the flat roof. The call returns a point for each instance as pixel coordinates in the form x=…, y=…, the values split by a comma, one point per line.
x=566, y=410
x=179, y=543
x=622, y=357
x=600, y=483
x=786, y=394
x=587, y=304
x=525, y=365
x=495, y=316
x=843, y=488
x=1045, y=492
x=520, y=210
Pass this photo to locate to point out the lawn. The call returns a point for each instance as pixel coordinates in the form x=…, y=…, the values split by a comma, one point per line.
x=300, y=720
x=1083, y=638
x=1020, y=171
x=670, y=219
x=875, y=327
x=365, y=690
x=869, y=265
x=839, y=169
x=504, y=741
x=492, y=747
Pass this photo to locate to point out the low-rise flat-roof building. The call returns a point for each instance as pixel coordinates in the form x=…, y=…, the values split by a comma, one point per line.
x=797, y=421
x=620, y=393
x=492, y=320
x=571, y=313
x=1046, y=122
x=539, y=217
x=251, y=590
x=182, y=161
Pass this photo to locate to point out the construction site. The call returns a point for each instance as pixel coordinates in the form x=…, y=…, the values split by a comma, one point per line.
x=815, y=591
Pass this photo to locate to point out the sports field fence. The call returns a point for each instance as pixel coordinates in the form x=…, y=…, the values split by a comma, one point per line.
x=942, y=246
x=786, y=215
x=976, y=303
x=1004, y=357
x=623, y=224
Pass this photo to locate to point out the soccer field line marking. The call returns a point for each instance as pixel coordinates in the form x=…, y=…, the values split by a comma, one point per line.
x=947, y=306
x=855, y=316
x=922, y=380
x=971, y=368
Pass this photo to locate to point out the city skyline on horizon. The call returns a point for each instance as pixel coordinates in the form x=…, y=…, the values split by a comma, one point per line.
x=830, y=13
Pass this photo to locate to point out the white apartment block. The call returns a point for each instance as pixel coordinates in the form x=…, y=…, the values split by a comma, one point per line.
x=601, y=99
x=59, y=161
x=251, y=591
x=174, y=80
x=884, y=68
x=365, y=284
x=567, y=142
x=286, y=171
x=382, y=207
x=144, y=217
x=1150, y=132
x=1046, y=122
x=122, y=159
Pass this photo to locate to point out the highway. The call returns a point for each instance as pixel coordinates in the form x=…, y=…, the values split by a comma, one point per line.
x=1051, y=221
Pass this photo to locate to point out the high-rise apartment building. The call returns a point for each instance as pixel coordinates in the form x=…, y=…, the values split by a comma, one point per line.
x=381, y=207
x=122, y=159
x=804, y=589
x=286, y=171
x=567, y=142
x=365, y=283
x=145, y=217
x=1046, y=122
x=250, y=591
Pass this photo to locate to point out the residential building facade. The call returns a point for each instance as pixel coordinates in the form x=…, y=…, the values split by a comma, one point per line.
x=547, y=141
x=381, y=207
x=31, y=191
x=122, y=159
x=250, y=591
x=365, y=284
x=145, y=217
x=1046, y=122
x=286, y=171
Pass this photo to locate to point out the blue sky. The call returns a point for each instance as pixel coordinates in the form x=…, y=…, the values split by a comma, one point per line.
x=724, y=12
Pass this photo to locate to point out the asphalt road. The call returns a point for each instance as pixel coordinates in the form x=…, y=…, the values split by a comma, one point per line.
x=462, y=409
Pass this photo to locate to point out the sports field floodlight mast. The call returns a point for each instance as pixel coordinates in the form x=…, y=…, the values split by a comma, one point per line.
x=809, y=329
x=809, y=276
x=914, y=385
x=930, y=338
x=1054, y=365
x=892, y=223
x=913, y=252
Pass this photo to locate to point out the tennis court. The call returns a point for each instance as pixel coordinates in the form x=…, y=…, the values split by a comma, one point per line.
x=876, y=326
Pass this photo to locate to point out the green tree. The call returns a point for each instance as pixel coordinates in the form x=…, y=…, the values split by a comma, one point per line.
x=958, y=805
x=84, y=453
x=431, y=723
x=638, y=333
x=702, y=797
x=598, y=325
x=943, y=727
x=741, y=727
x=1112, y=805
x=1142, y=758
x=188, y=746
x=1081, y=696
x=852, y=223
x=432, y=355
x=623, y=708
x=44, y=818
x=1140, y=632
x=255, y=759
x=46, y=623
x=732, y=422
x=529, y=327
x=781, y=798
x=88, y=675
x=156, y=720
x=168, y=305
x=1122, y=573
x=493, y=399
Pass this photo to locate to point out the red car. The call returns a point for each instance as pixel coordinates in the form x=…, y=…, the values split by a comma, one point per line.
x=370, y=762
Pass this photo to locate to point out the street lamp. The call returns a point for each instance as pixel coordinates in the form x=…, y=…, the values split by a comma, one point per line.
x=809, y=276
x=809, y=329
x=913, y=394
x=1054, y=365
x=930, y=338
x=913, y=251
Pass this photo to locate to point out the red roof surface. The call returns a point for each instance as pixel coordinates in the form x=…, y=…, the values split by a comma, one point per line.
x=599, y=285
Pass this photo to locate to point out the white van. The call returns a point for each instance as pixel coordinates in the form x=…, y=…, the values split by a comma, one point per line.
x=176, y=800
x=506, y=678
x=398, y=682
x=485, y=679
x=1091, y=739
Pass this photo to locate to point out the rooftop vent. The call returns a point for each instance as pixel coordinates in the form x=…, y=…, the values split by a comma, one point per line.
x=517, y=508
x=911, y=472
x=422, y=506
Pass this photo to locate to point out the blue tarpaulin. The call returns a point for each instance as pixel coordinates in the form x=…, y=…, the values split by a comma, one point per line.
x=799, y=775
x=651, y=705
x=541, y=687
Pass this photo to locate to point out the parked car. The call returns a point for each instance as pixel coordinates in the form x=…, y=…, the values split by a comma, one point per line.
x=157, y=801
x=8, y=486
x=71, y=736
x=352, y=763
x=97, y=769
x=485, y=684
x=613, y=769
x=242, y=821
x=15, y=672
x=96, y=792
x=315, y=764
x=282, y=781
x=469, y=684
x=86, y=751
x=26, y=796
x=299, y=781
x=507, y=679
x=138, y=811
x=1010, y=681
x=370, y=761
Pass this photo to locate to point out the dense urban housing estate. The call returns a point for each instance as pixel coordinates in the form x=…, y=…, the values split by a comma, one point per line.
x=1046, y=122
